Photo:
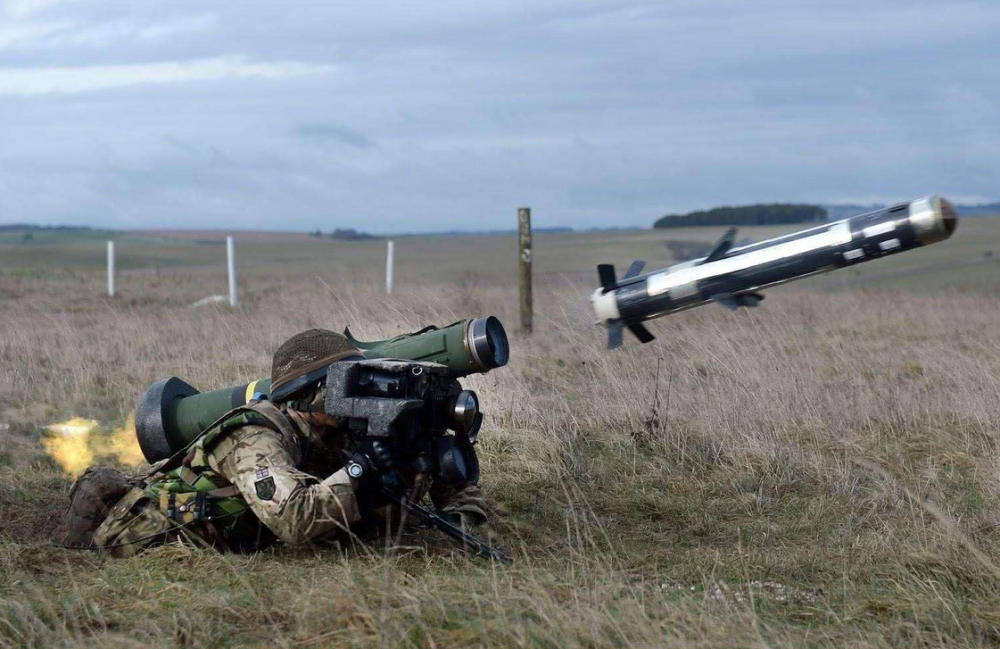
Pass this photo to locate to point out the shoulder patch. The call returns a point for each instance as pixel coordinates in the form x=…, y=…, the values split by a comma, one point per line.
x=265, y=488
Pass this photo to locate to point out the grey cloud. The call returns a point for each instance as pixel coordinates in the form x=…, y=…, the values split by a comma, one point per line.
x=324, y=132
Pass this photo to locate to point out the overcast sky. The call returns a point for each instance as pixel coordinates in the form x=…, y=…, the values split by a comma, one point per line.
x=416, y=116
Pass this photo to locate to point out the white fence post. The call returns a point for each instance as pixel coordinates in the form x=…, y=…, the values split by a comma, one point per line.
x=388, y=267
x=231, y=259
x=111, y=268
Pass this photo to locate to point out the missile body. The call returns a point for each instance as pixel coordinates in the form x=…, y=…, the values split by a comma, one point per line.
x=732, y=276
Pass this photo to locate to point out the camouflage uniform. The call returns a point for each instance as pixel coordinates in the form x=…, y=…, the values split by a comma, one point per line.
x=258, y=477
x=251, y=478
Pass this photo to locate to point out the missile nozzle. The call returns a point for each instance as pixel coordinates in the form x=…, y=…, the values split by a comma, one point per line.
x=604, y=306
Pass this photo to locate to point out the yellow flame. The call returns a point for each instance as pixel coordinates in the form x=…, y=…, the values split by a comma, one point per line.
x=69, y=446
x=123, y=445
x=76, y=442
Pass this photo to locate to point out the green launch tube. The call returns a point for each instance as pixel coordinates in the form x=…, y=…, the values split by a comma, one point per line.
x=467, y=347
x=197, y=413
x=171, y=413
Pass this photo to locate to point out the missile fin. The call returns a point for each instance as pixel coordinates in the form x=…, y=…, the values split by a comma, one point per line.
x=634, y=269
x=614, y=334
x=641, y=333
x=722, y=247
x=727, y=300
x=606, y=273
x=733, y=302
x=750, y=299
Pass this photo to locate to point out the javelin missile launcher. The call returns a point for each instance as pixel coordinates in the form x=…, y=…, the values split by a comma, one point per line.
x=733, y=275
x=171, y=413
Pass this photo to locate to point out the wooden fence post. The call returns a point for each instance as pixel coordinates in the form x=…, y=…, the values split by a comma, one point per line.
x=524, y=266
x=231, y=264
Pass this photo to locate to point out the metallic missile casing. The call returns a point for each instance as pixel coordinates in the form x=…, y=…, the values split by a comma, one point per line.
x=733, y=275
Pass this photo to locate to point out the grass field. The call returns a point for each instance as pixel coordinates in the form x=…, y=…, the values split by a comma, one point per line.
x=821, y=471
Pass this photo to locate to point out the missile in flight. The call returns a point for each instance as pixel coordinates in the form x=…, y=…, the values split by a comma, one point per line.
x=734, y=274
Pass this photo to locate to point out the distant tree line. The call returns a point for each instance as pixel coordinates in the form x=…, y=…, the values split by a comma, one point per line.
x=771, y=214
x=988, y=209
x=344, y=234
x=28, y=227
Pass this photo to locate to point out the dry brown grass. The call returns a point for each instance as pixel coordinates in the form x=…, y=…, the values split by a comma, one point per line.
x=823, y=471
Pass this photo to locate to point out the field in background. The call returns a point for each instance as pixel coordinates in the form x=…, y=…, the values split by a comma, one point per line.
x=559, y=259
x=824, y=470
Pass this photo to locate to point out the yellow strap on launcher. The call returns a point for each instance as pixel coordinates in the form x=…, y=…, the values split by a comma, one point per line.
x=183, y=507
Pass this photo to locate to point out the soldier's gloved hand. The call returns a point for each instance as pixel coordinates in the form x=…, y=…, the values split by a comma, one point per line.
x=372, y=462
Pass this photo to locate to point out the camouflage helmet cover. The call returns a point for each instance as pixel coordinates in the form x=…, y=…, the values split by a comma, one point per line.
x=306, y=354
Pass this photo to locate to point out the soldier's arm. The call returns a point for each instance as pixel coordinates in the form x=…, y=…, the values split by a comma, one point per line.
x=294, y=505
x=464, y=500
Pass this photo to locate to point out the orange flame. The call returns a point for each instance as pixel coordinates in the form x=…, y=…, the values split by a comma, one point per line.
x=74, y=444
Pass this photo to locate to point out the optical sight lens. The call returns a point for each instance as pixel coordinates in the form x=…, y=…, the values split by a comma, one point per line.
x=488, y=343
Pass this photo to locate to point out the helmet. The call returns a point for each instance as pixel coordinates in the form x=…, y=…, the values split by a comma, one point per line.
x=304, y=359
